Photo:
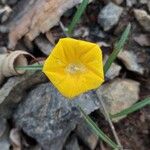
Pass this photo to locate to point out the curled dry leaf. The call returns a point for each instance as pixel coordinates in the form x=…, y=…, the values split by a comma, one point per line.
x=37, y=16
x=9, y=61
x=15, y=139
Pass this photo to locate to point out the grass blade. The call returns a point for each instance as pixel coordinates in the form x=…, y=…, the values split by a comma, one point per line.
x=118, y=47
x=133, y=108
x=77, y=15
x=97, y=130
x=30, y=67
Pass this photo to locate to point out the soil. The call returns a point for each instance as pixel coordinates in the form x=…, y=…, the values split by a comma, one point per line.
x=133, y=131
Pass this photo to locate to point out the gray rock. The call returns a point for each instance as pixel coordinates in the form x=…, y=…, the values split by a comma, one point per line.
x=103, y=44
x=130, y=3
x=118, y=95
x=49, y=117
x=43, y=44
x=4, y=144
x=143, y=18
x=81, y=32
x=5, y=13
x=85, y=133
x=130, y=60
x=143, y=1
x=4, y=135
x=3, y=126
x=14, y=89
x=72, y=144
x=142, y=39
x=113, y=71
x=109, y=16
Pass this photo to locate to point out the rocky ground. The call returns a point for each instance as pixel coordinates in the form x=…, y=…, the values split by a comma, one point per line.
x=33, y=114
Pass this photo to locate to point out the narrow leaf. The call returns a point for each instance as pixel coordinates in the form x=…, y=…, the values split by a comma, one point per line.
x=77, y=15
x=133, y=108
x=118, y=47
x=30, y=67
x=97, y=130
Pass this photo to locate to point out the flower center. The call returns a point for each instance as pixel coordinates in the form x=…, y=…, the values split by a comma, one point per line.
x=74, y=68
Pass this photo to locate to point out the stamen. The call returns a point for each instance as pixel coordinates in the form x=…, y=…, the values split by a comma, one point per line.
x=75, y=68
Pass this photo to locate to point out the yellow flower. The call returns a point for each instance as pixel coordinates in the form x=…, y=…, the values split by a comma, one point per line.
x=74, y=67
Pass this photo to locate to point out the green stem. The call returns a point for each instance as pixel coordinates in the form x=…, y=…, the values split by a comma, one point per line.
x=30, y=67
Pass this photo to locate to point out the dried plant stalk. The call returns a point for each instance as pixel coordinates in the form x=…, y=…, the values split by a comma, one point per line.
x=9, y=61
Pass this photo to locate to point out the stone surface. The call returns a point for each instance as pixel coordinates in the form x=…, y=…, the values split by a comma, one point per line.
x=3, y=126
x=130, y=60
x=14, y=89
x=143, y=1
x=142, y=39
x=4, y=135
x=5, y=13
x=119, y=95
x=72, y=143
x=49, y=117
x=4, y=144
x=81, y=32
x=43, y=44
x=103, y=44
x=143, y=18
x=109, y=16
x=85, y=133
x=130, y=3
x=113, y=71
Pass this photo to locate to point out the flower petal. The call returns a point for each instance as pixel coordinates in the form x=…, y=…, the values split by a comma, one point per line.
x=76, y=55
